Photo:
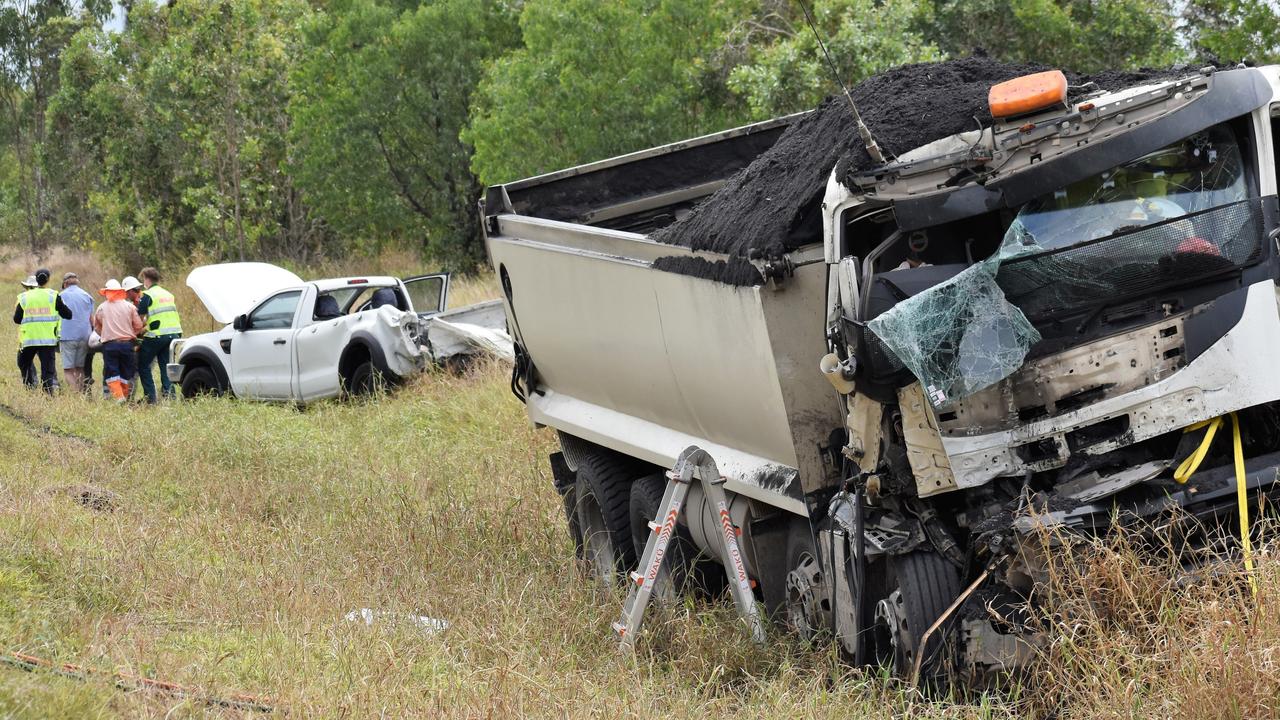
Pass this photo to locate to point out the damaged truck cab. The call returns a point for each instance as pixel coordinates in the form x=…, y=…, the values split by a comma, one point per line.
x=1018, y=322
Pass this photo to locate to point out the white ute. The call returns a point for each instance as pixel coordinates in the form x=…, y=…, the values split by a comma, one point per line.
x=290, y=340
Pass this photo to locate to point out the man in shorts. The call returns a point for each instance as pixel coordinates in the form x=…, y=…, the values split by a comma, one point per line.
x=74, y=341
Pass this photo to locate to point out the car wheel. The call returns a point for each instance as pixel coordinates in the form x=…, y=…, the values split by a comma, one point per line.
x=603, y=497
x=200, y=381
x=366, y=380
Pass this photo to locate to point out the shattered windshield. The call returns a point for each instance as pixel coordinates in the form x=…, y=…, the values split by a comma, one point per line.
x=1168, y=218
x=1197, y=173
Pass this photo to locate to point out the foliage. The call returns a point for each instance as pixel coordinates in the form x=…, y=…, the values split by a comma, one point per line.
x=1083, y=35
x=32, y=37
x=379, y=103
x=596, y=79
x=181, y=123
x=1235, y=30
x=786, y=70
x=299, y=129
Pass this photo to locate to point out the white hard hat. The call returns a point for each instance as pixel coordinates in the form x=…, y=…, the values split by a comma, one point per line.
x=112, y=284
x=130, y=283
x=30, y=282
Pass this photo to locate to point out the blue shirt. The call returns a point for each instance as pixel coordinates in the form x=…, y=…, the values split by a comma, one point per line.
x=81, y=305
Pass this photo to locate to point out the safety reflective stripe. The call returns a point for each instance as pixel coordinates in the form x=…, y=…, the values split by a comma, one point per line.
x=164, y=310
x=40, y=321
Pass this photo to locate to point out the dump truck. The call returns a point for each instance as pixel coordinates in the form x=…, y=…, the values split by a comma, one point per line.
x=1030, y=329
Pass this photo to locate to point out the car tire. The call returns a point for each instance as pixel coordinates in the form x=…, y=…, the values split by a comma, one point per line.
x=602, y=494
x=919, y=587
x=366, y=380
x=200, y=381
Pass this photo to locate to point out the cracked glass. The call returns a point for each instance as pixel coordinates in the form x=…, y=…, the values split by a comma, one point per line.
x=1169, y=217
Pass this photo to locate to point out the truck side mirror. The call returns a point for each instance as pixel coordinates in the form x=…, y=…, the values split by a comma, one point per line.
x=241, y=323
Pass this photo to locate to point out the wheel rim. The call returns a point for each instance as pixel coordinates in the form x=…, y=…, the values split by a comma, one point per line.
x=805, y=590
x=893, y=637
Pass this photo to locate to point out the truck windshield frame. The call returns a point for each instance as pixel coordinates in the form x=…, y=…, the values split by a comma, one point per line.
x=1185, y=214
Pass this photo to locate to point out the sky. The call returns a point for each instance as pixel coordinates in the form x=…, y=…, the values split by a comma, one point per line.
x=116, y=23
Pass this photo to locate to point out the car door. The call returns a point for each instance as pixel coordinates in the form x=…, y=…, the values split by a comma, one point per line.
x=318, y=346
x=428, y=294
x=262, y=352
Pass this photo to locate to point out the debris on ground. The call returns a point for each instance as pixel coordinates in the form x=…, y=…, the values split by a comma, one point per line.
x=428, y=625
x=90, y=496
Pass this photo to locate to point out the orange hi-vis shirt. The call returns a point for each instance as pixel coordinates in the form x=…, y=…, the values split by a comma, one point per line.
x=117, y=320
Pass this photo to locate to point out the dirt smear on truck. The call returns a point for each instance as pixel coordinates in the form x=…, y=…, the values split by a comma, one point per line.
x=773, y=205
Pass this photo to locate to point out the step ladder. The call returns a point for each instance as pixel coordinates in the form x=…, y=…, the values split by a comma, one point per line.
x=693, y=464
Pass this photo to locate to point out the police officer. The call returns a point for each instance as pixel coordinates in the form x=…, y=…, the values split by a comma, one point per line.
x=38, y=314
x=160, y=315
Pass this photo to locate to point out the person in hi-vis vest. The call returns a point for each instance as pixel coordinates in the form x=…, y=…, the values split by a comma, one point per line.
x=38, y=313
x=160, y=316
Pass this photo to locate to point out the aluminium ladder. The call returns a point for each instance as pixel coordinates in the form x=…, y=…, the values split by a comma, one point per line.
x=693, y=464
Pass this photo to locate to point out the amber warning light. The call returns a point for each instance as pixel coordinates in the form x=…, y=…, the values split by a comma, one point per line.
x=1028, y=94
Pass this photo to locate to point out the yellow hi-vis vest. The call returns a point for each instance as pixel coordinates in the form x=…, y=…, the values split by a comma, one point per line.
x=39, y=318
x=164, y=310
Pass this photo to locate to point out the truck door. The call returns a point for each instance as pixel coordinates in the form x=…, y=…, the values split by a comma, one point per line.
x=319, y=343
x=428, y=294
x=262, y=353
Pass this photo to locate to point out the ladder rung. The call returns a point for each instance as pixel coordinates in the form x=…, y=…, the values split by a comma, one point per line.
x=655, y=527
x=637, y=578
x=620, y=629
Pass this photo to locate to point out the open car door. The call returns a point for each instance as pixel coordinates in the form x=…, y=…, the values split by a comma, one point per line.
x=428, y=294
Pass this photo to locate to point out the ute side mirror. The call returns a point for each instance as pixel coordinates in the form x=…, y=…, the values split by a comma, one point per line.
x=241, y=323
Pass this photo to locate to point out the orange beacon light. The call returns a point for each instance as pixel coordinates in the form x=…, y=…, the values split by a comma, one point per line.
x=1027, y=94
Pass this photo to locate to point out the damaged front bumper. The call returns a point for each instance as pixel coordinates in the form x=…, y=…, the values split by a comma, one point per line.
x=1232, y=374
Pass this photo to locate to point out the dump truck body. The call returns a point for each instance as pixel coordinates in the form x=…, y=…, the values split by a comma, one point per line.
x=998, y=332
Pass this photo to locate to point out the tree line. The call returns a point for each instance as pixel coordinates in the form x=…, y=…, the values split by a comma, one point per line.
x=298, y=130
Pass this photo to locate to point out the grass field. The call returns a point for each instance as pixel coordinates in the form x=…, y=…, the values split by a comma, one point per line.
x=242, y=534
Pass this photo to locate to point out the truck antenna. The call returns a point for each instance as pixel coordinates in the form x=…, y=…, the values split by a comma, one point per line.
x=873, y=148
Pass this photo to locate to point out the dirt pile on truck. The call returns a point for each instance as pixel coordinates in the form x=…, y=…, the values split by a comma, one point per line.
x=773, y=206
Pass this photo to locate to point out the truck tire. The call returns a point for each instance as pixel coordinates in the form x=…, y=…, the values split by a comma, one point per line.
x=646, y=498
x=919, y=587
x=200, y=381
x=603, y=497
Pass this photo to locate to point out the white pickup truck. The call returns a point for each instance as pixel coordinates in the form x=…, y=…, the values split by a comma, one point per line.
x=304, y=341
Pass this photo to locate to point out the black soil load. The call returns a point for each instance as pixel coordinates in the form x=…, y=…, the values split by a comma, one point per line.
x=773, y=205
x=734, y=271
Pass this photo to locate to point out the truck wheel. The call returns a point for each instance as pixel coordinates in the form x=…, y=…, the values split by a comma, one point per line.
x=200, y=381
x=920, y=587
x=365, y=380
x=603, y=495
x=646, y=498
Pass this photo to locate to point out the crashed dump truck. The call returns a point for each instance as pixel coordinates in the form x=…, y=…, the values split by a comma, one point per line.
x=908, y=370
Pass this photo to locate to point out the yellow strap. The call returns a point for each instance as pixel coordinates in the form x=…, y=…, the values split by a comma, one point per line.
x=1242, y=500
x=1189, y=466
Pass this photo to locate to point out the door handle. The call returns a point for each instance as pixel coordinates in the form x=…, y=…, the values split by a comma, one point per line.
x=279, y=341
